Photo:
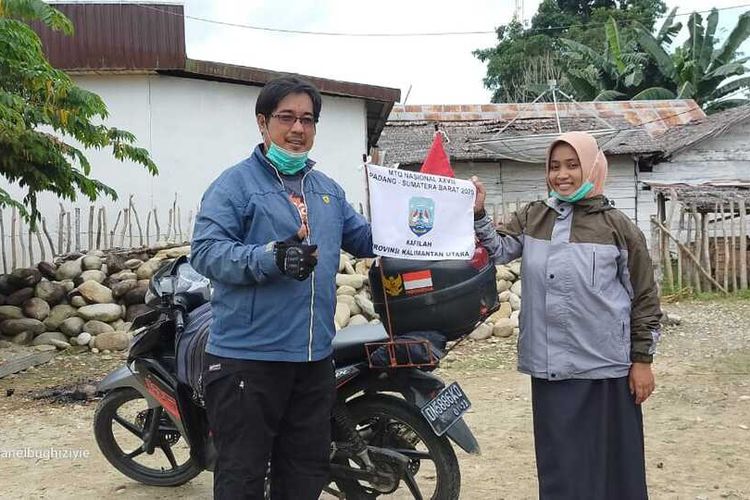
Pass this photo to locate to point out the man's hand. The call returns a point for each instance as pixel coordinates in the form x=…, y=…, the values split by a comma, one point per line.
x=641, y=381
x=295, y=259
x=480, y=196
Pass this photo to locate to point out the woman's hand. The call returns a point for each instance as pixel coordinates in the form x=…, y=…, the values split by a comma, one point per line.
x=641, y=381
x=480, y=196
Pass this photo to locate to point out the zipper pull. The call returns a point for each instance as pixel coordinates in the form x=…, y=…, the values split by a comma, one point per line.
x=593, y=271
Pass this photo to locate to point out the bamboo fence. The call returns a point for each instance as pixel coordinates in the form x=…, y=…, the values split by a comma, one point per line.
x=700, y=238
x=81, y=229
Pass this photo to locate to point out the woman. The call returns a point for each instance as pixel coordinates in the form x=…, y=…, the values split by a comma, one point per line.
x=588, y=327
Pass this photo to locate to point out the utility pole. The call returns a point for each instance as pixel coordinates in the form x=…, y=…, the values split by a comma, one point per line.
x=518, y=13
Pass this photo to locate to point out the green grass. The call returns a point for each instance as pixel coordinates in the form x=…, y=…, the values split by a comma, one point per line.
x=672, y=294
x=709, y=296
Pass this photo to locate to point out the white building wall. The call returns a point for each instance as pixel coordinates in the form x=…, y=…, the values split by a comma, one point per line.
x=194, y=129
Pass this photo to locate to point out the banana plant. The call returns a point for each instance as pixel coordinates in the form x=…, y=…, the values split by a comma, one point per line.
x=616, y=73
x=702, y=69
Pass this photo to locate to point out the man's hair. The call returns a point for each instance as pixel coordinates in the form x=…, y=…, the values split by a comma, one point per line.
x=278, y=88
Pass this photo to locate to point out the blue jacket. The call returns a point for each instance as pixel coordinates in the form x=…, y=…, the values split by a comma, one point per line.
x=260, y=313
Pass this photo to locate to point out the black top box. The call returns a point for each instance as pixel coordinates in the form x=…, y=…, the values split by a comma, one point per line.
x=447, y=296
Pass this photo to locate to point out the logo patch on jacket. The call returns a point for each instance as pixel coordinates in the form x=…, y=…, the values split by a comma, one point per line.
x=326, y=199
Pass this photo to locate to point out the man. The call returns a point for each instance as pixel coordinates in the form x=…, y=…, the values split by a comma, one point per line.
x=269, y=235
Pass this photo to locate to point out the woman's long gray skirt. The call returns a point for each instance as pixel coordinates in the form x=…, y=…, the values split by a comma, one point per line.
x=588, y=436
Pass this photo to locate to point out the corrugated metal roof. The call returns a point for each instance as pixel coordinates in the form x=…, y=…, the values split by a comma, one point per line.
x=634, y=128
x=258, y=76
x=679, y=138
x=117, y=37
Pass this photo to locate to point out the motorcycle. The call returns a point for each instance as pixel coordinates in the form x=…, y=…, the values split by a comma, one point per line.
x=392, y=426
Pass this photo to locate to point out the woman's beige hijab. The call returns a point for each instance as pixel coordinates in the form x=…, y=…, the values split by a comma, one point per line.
x=593, y=162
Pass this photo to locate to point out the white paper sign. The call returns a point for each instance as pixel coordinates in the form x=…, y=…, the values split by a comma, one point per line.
x=420, y=216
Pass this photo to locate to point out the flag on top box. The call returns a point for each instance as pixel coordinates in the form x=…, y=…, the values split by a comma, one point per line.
x=437, y=161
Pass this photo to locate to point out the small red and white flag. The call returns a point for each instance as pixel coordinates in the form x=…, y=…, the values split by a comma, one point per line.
x=418, y=282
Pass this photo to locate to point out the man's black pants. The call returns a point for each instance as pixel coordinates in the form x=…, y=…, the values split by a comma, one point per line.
x=262, y=409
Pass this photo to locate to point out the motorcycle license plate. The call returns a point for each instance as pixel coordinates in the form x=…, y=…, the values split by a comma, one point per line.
x=446, y=408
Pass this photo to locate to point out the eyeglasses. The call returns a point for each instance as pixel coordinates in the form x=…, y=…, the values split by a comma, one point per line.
x=288, y=120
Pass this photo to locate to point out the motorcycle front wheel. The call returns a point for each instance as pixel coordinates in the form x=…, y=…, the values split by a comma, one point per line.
x=389, y=422
x=120, y=425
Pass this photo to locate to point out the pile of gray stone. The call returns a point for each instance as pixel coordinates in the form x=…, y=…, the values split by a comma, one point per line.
x=353, y=298
x=91, y=300
x=504, y=321
x=80, y=300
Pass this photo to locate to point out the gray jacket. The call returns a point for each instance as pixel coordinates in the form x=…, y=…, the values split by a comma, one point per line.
x=590, y=303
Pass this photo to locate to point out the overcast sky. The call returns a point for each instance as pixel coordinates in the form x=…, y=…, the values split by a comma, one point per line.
x=439, y=69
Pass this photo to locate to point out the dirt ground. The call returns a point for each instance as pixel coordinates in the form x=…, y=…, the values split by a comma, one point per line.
x=697, y=422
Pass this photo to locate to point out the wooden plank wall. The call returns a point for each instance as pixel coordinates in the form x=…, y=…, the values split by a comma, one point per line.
x=512, y=182
x=524, y=180
x=722, y=261
x=708, y=251
x=621, y=184
x=725, y=157
x=489, y=174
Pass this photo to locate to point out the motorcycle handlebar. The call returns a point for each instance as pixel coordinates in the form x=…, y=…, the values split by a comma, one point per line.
x=179, y=319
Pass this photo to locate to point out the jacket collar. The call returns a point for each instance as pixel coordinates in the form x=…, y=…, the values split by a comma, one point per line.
x=596, y=204
x=591, y=205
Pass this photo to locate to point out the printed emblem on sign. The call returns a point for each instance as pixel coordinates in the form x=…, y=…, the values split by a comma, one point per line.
x=418, y=282
x=421, y=215
x=326, y=199
x=393, y=285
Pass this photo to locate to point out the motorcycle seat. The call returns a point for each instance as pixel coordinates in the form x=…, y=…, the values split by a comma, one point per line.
x=349, y=343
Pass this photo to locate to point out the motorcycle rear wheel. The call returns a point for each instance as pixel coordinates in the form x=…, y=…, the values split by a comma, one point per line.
x=108, y=422
x=389, y=422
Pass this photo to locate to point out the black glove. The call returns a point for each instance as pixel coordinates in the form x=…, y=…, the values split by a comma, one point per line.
x=295, y=259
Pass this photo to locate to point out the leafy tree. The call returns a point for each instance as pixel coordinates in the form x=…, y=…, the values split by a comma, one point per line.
x=513, y=62
x=36, y=100
x=508, y=63
x=702, y=69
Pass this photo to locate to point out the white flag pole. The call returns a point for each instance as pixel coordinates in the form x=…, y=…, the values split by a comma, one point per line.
x=379, y=263
x=367, y=187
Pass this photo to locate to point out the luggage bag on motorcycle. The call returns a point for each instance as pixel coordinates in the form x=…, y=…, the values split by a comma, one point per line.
x=190, y=348
x=448, y=296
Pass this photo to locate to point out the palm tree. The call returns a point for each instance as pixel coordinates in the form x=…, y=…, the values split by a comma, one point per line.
x=698, y=69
